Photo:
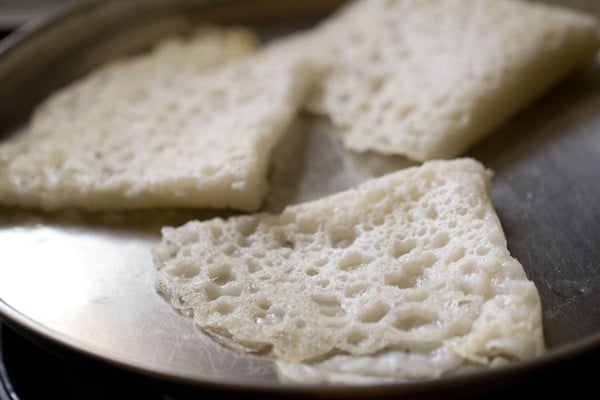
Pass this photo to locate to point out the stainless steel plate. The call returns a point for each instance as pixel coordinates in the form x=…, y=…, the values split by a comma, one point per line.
x=87, y=280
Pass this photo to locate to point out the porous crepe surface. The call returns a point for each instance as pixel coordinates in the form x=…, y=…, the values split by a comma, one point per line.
x=160, y=130
x=429, y=78
x=415, y=261
x=167, y=66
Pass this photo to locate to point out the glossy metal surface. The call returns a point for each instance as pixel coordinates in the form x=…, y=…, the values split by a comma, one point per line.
x=87, y=280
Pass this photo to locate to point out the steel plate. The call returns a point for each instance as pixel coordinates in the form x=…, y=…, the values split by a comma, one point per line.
x=86, y=280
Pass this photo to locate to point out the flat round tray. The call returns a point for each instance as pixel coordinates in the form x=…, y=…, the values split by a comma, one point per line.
x=86, y=281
